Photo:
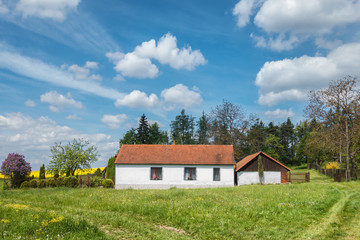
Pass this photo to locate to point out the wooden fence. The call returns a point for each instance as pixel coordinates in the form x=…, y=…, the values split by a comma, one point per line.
x=339, y=175
x=298, y=177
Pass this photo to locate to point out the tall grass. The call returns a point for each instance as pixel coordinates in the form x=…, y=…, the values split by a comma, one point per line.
x=246, y=212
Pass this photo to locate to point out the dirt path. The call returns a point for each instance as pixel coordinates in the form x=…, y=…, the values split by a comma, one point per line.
x=332, y=218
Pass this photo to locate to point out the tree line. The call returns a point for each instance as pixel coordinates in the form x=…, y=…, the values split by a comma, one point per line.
x=330, y=131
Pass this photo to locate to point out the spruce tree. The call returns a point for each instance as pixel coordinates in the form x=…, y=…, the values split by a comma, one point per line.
x=143, y=132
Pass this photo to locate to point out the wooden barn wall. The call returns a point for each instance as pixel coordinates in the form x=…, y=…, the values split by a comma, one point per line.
x=268, y=164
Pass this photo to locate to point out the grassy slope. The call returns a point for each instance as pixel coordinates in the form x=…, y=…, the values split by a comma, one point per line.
x=317, y=210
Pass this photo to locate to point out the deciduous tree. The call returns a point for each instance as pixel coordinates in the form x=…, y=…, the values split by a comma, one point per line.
x=76, y=155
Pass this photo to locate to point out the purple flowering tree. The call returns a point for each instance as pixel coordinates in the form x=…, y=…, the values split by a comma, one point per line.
x=15, y=167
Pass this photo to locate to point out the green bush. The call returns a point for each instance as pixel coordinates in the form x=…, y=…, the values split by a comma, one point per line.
x=98, y=172
x=60, y=182
x=96, y=181
x=71, y=181
x=25, y=184
x=34, y=183
x=108, y=183
x=51, y=183
x=42, y=183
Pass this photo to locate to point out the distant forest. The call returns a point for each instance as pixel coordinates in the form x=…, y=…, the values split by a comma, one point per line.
x=331, y=131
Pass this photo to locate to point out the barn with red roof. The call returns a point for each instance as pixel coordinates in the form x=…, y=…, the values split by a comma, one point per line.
x=247, y=170
x=182, y=166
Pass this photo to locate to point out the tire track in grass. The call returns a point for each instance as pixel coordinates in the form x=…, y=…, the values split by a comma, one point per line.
x=317, y=231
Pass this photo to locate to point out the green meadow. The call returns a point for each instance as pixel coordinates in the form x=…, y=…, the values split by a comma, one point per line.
x=320, y=209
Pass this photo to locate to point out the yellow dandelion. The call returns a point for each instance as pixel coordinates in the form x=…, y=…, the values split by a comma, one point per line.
x=17, y=206
x=5, y=220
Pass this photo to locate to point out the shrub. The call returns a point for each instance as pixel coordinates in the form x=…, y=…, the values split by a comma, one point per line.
x=16, y=167
x=98, y=172
x=51, y=183
x=96, y=181
x=332, y=165
x=108, y=183
x=34, y=183
x=42, y=183
x=60, y=182
x=25, y=184
x=71, y=181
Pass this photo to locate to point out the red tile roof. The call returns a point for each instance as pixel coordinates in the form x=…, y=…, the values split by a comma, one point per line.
x=176, y=154
x=249, y=158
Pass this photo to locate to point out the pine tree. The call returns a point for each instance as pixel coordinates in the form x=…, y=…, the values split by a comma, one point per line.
x=203, y=129
x=182, y=129
x=143, y=132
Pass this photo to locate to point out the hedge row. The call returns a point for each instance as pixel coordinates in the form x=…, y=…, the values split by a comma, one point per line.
x=67, y=182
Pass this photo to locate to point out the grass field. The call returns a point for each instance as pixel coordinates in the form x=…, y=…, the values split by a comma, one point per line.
x=320, y=209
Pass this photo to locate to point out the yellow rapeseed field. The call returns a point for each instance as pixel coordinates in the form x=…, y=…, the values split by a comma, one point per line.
x=48, y=175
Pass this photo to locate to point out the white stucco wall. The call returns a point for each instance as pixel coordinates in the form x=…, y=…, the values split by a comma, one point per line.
x=253, y=177
x=138, y=176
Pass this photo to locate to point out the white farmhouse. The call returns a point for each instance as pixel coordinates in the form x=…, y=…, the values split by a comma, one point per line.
x=182, y=166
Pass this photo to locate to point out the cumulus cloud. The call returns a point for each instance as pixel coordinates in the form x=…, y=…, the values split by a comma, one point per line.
x=59, y=102
x=138, y=63
x=54, y=9
x=243, y=10
x=181, y=95
x=30, y=103
x=33, y=137
x=290, y=22
x=138, y=99
x=114, y=121
x=280, y=113
x=83, y=73
x=291, y=79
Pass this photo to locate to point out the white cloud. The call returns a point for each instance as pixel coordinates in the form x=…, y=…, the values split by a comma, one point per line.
x=3, y=8
x=280, y=113
x=114, y=121
x=83, y=73
x=167, y=52
x=54, y=9
x=30, y=103
x=242, y=10
x=181, y=95
x=133, y=66
x=138, y=99
x=291, y=79
x=290, y=22
x=58, y=101
x=73, y=117
x=138, y=63
x=41, y=71
x=33, y=138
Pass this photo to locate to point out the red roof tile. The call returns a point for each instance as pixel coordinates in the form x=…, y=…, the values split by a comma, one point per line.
x=249, y=158
x=176, y=154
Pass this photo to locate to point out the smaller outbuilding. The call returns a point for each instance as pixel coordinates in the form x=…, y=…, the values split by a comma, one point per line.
x=247, y=170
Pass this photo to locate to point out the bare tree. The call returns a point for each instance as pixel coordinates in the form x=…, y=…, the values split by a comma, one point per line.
x=337, y=107
x=228, y=125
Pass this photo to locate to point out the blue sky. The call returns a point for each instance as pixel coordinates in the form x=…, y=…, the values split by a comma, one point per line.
x=89, y=69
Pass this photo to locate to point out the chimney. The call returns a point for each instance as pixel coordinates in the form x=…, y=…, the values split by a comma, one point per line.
x=174, y=142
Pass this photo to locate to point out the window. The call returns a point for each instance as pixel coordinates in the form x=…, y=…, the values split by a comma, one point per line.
x=189, y=173
x=216, y=174
x=156, y=173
